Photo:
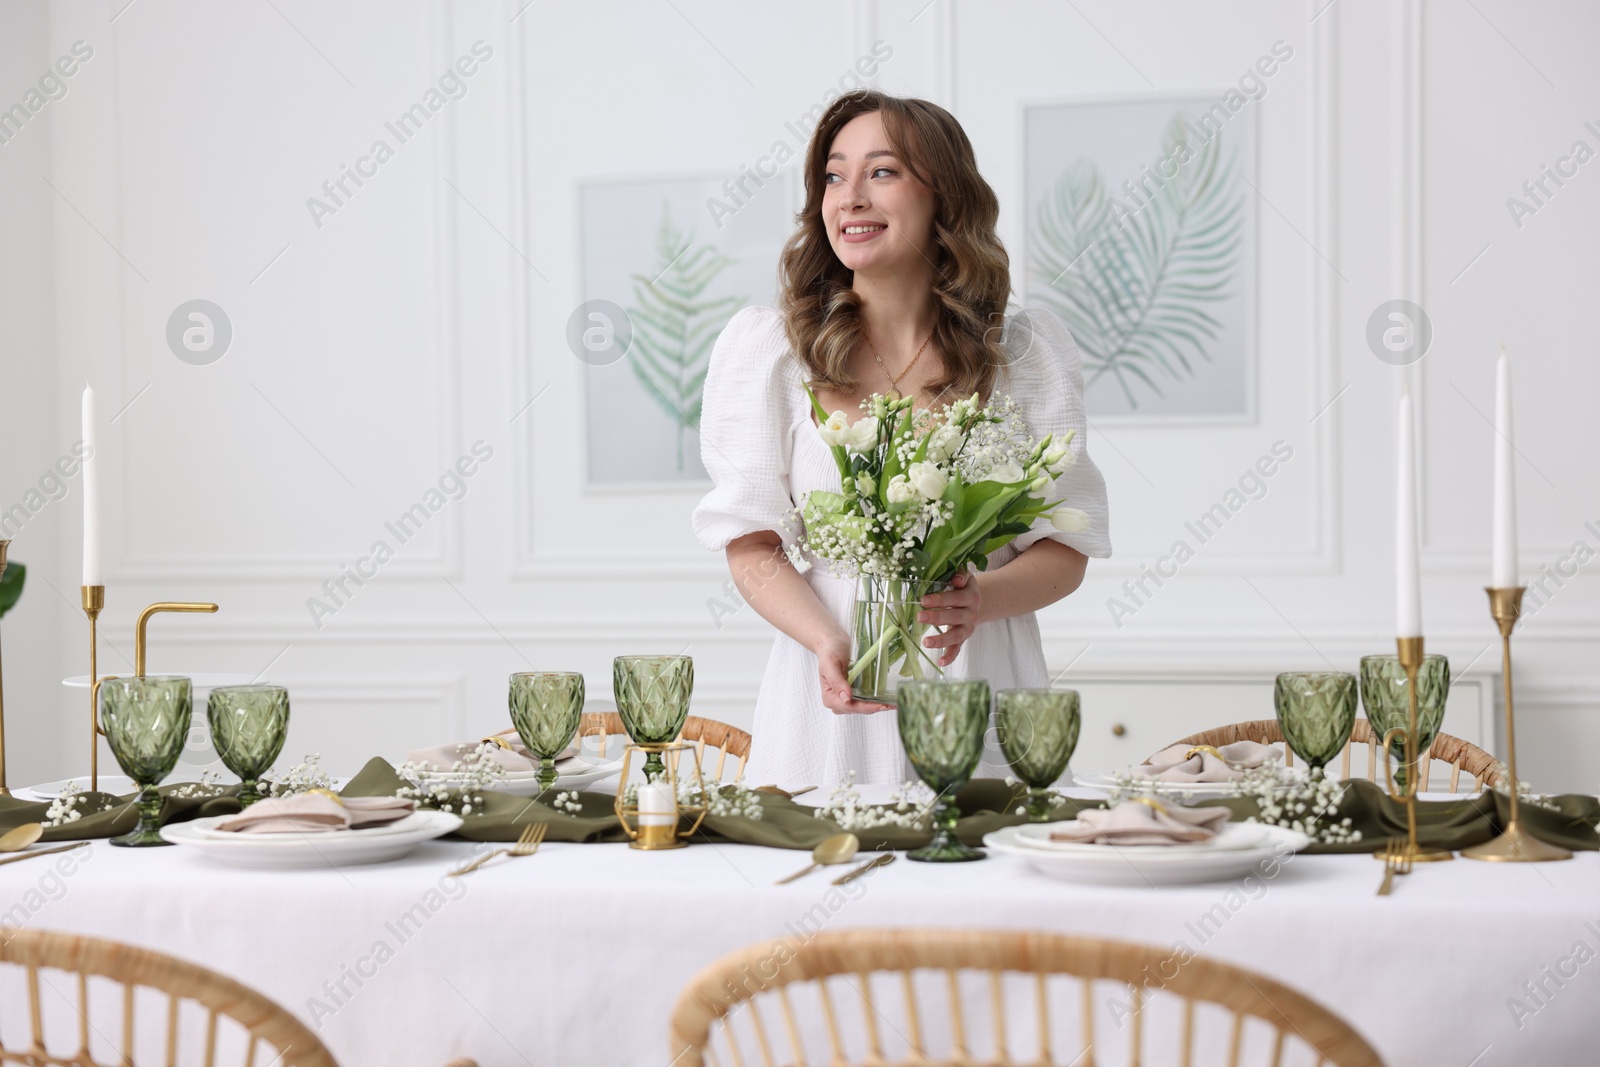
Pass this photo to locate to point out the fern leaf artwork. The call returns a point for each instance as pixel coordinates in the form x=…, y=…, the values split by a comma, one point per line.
x=676, y=321
x=1137, y=281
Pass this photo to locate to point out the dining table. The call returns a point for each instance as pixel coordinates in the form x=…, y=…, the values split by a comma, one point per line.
x=576, y=954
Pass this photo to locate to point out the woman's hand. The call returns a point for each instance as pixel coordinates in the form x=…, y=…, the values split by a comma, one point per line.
x=959, y=611
x=833, y=666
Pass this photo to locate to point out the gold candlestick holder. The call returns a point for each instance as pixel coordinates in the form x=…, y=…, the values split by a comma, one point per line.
x=4, y=790
x=1515, y=844
x=643, y=829
x=94, y=602
x=1410, y=654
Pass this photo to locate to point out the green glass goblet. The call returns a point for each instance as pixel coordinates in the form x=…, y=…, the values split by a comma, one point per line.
x=146, y=721
x=1388, y=705
x=942, y=723
x=248, y=727
x=1038, y=729
x=546, y=709
x=1316, y=712
x=652, y=694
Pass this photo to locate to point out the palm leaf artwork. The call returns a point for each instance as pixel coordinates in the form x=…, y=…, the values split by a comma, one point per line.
x=1135, y=284
x=675, y=323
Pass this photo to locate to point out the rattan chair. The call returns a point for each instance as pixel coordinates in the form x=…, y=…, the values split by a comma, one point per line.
x=755, y=990
x=287, y=1041
x=1460, y=755
x=704, y=733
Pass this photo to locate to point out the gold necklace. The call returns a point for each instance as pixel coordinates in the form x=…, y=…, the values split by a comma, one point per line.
x=894, y=381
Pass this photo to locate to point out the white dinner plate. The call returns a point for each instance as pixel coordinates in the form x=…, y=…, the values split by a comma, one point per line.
x=1147, y=865
x=574, y=773
x=336, y=848
x=1233, y=835
x=207, y=828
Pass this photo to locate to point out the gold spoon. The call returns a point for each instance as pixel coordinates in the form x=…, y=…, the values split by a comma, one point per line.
x=20, y=838
x=840, y=848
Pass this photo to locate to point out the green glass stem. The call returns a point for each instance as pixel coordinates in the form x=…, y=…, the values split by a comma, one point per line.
x=147, y=832
x=547, y=773
x=945, y=847
x=249, y=792
x=1038, y=804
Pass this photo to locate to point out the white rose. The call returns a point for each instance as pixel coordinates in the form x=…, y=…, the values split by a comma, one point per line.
x=928, y=479
x=863, y=436
x=835, y=431
x=1006, y=472
x=1069, y=520
x=945, y=442
x=900, y=490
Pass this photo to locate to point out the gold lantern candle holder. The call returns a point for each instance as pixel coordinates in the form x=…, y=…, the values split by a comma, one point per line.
x=661, y=825
x=1515, y=844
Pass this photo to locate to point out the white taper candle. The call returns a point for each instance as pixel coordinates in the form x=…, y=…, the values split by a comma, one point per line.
x=92, y=574
x=1503, y=572
x=1407, y=577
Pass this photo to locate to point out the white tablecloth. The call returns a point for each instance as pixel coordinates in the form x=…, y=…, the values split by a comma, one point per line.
x=576, y=955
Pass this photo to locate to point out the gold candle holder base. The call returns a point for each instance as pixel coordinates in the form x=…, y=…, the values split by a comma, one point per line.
x=1515, y=844
x=656, y=838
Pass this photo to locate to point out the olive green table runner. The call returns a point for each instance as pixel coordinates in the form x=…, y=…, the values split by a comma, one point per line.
x=986, y=804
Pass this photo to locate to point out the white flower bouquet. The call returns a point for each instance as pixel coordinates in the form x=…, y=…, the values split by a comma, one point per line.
x=924, y=494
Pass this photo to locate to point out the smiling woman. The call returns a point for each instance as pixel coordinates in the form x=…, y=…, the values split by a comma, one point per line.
x=895, y=282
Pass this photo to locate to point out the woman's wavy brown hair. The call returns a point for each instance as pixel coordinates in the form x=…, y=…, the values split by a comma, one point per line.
x=971, y=277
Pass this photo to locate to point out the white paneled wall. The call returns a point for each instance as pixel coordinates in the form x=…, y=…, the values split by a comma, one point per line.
x=377, y=343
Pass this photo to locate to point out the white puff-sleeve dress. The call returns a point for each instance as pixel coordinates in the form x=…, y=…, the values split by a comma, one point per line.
x=761, y=448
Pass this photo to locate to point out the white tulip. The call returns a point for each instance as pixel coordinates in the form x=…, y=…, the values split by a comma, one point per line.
x=1006, y=472
x=900, y=490
x=863, y=436
x=928, y=480
x=835, y=431
x=945, y=442
x=1069, y=520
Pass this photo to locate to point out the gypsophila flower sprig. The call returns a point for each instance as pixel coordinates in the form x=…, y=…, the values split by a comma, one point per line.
x=70, y=805
x=459, y=789
x=924, y=495
x=909, y=806
x=1525, y=793
x=730, y=800
x=301, y=778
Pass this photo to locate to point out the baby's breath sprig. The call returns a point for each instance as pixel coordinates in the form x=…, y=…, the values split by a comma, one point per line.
x=1282, y=797
x=460, y=787
x=1525, y=793
x=568, y=802
x=301, y=778
x=209, y=785
x=909, y=806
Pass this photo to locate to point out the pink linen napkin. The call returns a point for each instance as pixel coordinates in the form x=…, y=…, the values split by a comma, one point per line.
x=1170, y=764
x=515, y=758
x=317, y=813
x=1134, y=823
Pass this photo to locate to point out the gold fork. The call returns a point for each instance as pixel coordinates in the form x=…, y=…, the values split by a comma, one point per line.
x=1396, y=860
x=527, y=844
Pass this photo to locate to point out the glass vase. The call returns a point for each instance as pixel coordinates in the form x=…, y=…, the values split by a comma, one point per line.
x=146, y=721
x=942, y=724
x=886, y=638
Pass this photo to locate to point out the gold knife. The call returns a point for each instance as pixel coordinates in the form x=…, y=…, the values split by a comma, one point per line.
x=42, y=852
x=856, y=872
